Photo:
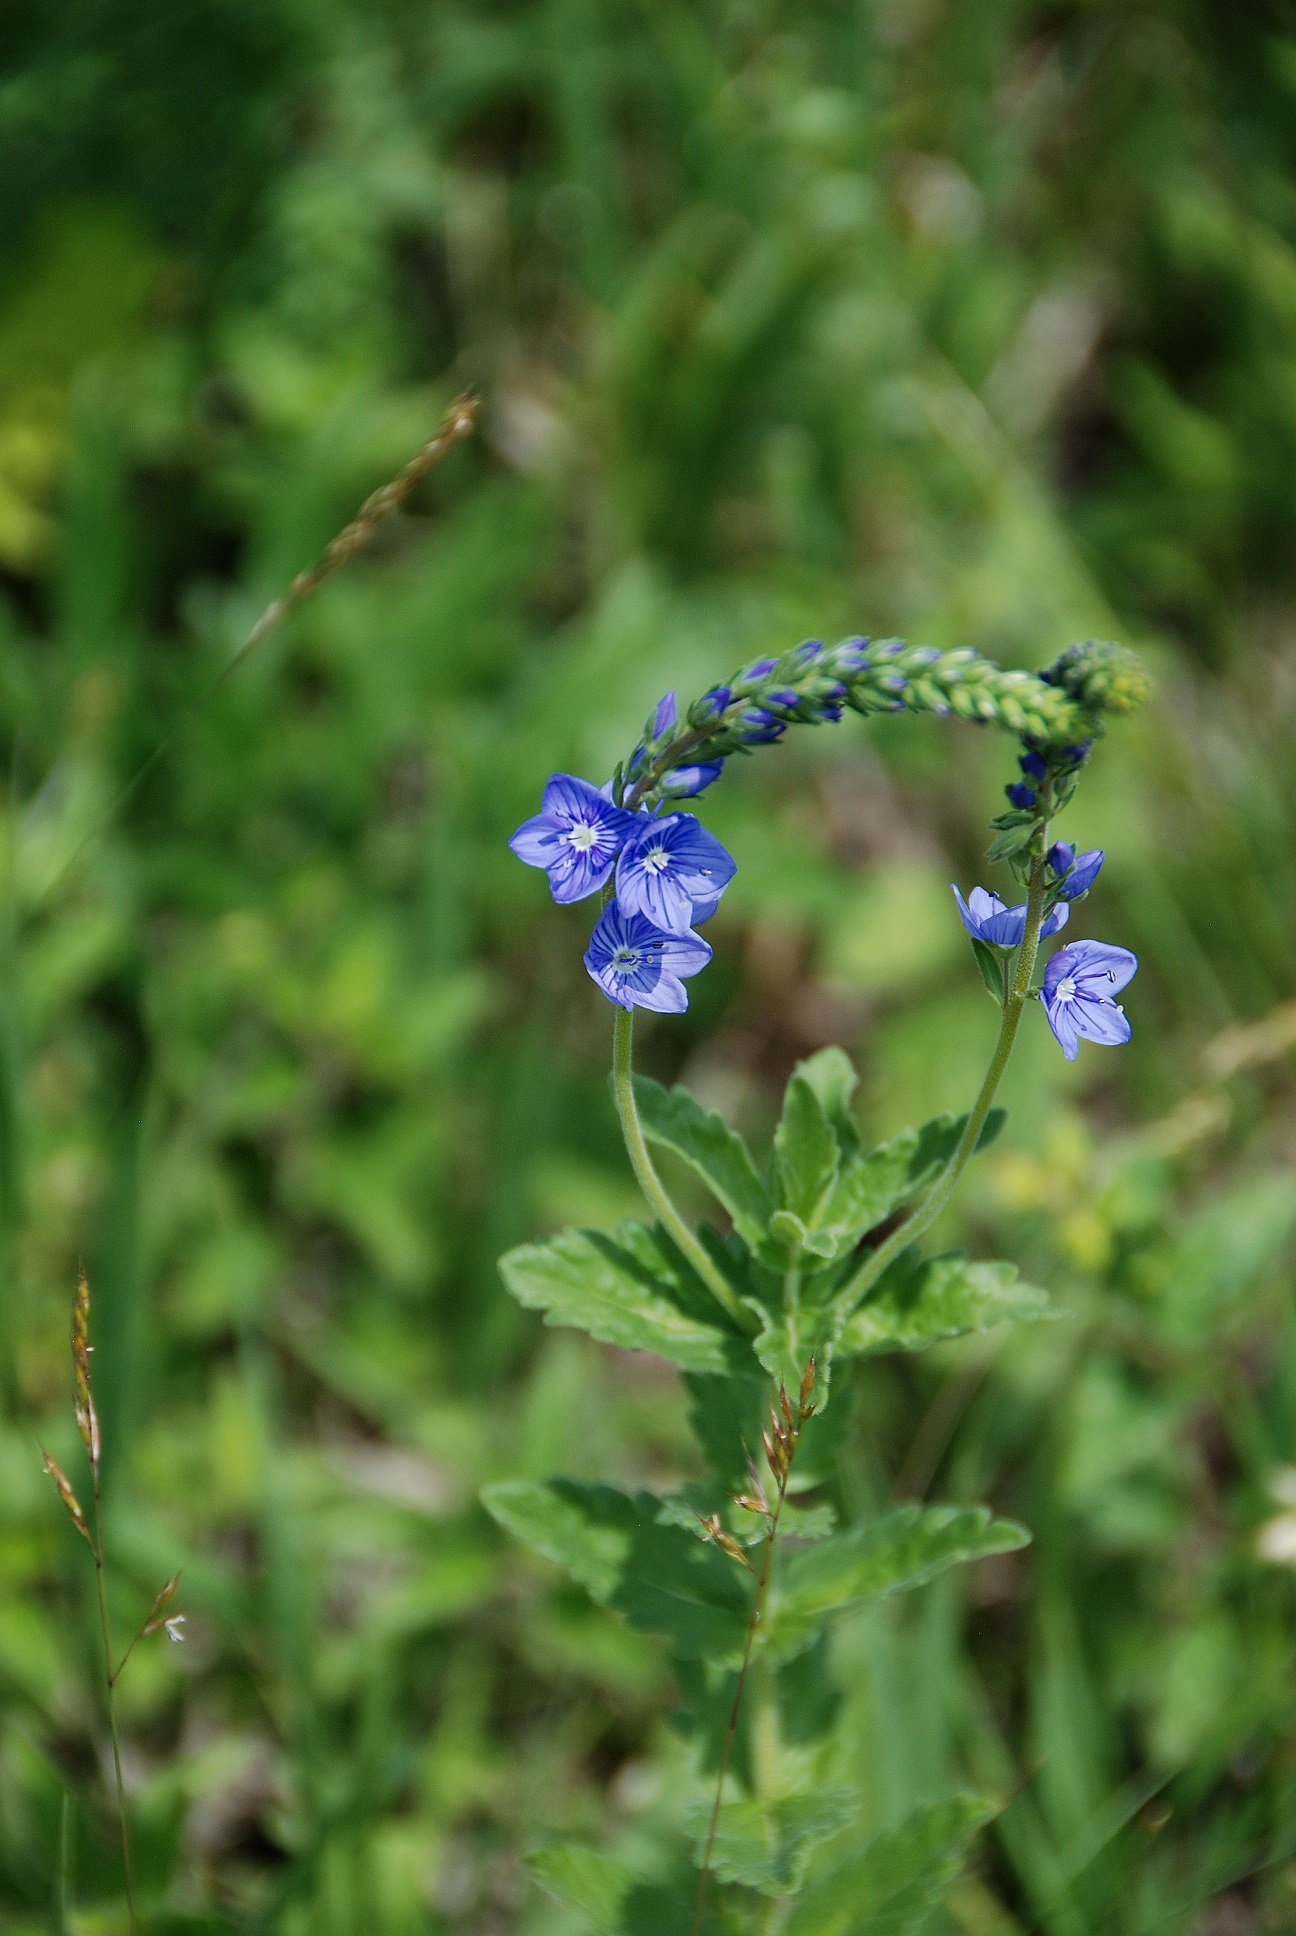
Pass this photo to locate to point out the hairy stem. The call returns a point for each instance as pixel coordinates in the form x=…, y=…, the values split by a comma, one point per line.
x=110, y=1683
x=651, y=1184
x=731, y=1731
x=926, y=1213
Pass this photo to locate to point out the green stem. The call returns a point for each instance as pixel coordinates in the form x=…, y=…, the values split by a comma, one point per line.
x=651, y=1184
x=856, y=1287
x=65, y=1867
x=110, y=1681
x=731, y=1731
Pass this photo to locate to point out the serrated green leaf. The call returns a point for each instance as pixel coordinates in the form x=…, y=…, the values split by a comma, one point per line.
x=892, y=1887
x=562, y=1529
x=991, y=967
x=903, y=1549
x=871, y=1188
x=918, y=1302
x=673, y=1119
x=768, y=1845
x=805, y=1151
x=789, y=1339
x=629, y=1289
x=659, y=1576
x=592, y=1884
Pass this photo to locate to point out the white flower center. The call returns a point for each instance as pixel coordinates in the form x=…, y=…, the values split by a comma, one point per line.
x=1065, y=990
x=582, y=837
x=656, y=861
x=626, y=960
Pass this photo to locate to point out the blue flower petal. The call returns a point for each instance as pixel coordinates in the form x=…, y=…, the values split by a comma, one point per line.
x=637, y=965
x=1083, y=874
x=669, y=865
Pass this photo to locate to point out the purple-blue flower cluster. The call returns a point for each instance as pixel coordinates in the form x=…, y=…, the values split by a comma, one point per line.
x=1081, y=979
x=669, y=876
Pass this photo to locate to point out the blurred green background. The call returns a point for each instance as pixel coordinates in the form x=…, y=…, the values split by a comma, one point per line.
x=963, y=319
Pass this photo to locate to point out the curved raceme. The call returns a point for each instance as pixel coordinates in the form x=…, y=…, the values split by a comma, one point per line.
x=668, y=872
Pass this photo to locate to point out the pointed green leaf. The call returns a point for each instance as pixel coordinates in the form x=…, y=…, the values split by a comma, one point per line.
x=805, y=1151
x=831, y=1074
x=562, y=1530
x=991, y=965
x=592, y=1884
x=629, y=1289
x=673, y=1119
x=918, y=1302
x=659, y=1576
x=1012, y=840
x=768, y=1845
x=789, y=1339
x=903, y=1549
x=892, y=1887
x=871, y=1188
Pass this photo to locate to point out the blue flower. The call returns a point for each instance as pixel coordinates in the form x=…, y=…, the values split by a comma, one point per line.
x=640, y=966
x=665, y=716
x=1079, y=872
x=682, y=782
x=987, y=919
x=674, y=872
x=1079, y=983
x=575, y=837
x=1033, y=766
x=1020, y=794
x=804, y=654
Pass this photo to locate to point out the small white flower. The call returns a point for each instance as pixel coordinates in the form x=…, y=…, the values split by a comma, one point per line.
x=174, y=1627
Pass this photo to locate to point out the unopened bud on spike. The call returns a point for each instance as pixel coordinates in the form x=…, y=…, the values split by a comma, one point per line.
x=748, y=1504
x=786, y=1408
x=807, y=1389
x=71, y=1504
x=772, y=1453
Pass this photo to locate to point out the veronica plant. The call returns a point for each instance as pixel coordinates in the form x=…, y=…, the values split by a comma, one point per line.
x=740, y=1573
